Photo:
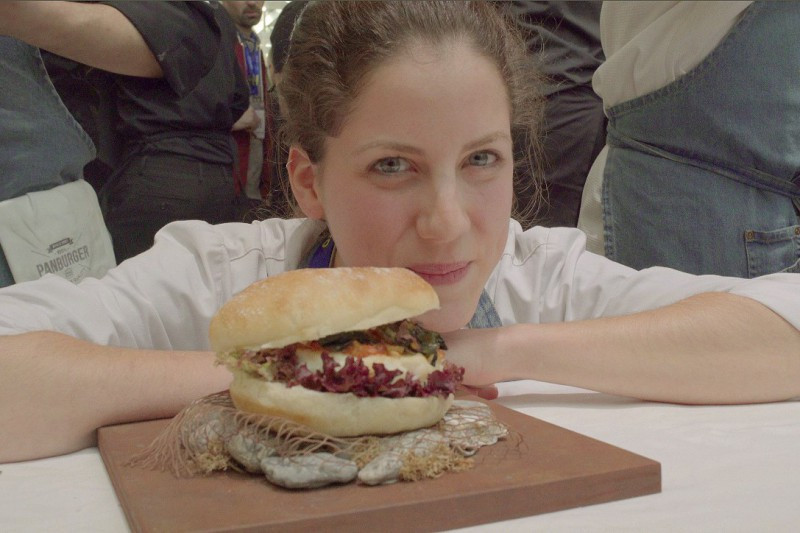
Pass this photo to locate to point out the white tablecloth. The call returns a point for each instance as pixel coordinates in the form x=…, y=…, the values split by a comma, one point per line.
x=731, y=468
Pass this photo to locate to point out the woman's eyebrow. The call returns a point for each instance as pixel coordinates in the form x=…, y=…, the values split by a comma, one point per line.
x=409, y=149
x=488, y=139
x=391, y=145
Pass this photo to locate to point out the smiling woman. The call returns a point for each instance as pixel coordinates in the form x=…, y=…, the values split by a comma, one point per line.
x=399, y=123
x=427, y=150
x=413, y=114
x=427, y=41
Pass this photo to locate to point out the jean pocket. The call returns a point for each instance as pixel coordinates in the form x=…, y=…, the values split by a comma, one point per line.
x=773, y=251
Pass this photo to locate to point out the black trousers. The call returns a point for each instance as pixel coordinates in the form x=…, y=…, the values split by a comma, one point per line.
x=149, y=191
x=575, y=132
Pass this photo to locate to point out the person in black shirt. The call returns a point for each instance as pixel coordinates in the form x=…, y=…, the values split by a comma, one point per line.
x=565, y=39
x=177, y=150
x=161, y=117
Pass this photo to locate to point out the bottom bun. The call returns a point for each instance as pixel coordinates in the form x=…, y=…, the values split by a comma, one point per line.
x=336, y=414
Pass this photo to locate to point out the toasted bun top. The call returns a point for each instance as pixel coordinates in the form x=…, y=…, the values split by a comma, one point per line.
x=307, y=304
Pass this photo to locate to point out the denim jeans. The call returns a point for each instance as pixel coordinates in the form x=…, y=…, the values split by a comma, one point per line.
x=703, y=175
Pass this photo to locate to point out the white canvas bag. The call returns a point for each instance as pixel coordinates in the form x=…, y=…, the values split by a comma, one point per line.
x=58, y=231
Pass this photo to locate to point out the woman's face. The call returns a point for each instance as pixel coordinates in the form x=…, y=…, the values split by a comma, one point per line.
x=420, y=175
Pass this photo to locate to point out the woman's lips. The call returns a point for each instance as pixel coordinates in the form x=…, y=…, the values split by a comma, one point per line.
x=441, y=273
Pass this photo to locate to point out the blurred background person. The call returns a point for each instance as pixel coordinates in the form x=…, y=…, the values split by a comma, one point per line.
x=178, y=154
x=50, y=220
x=164, y=145
x=564, y=39
x=253, y=170
x=85, y=91
x=700, y=170
x=280, y=40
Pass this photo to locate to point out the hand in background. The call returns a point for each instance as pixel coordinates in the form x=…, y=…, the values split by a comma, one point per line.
x=249, y=121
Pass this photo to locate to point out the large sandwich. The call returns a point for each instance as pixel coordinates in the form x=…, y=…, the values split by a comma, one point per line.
x=335, y=349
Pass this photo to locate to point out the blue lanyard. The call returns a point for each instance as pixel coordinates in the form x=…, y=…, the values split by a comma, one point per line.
x=322, y=256
x=252, y=59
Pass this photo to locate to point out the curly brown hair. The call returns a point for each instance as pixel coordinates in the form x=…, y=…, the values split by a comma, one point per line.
x=336, y=45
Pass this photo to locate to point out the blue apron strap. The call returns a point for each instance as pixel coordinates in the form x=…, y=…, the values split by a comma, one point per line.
x=485, y=315
x=747, y=176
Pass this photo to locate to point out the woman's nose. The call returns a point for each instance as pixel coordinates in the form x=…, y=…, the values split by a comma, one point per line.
x=443, y=216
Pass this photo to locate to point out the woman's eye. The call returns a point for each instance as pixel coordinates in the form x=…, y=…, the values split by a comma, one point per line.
x=482, y=159
x=392, y=165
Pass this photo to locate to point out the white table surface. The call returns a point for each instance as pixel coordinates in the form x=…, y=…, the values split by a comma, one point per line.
x=727, y=468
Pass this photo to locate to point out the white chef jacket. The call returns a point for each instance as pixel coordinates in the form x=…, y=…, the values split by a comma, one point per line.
x=165, y=297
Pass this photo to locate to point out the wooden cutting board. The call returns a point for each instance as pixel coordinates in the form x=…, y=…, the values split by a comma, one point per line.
x=545, y=468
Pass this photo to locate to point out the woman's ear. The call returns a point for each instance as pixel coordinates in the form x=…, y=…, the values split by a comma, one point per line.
x=303, y=180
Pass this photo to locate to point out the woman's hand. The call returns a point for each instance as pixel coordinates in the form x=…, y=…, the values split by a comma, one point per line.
x=479, y=352
x=487, y=393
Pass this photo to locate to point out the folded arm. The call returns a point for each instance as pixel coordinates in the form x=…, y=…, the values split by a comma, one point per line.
x=57, y=390
x=712, y=348
x=93, y=34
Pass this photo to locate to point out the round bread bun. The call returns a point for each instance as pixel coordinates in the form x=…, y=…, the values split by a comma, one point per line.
x=336, y=414
x=308, y=304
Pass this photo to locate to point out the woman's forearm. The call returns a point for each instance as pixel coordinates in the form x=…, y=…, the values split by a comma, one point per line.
x=709, y=349
x=56, y=390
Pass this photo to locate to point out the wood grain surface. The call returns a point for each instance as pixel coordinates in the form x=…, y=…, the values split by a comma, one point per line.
x=541, y=468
